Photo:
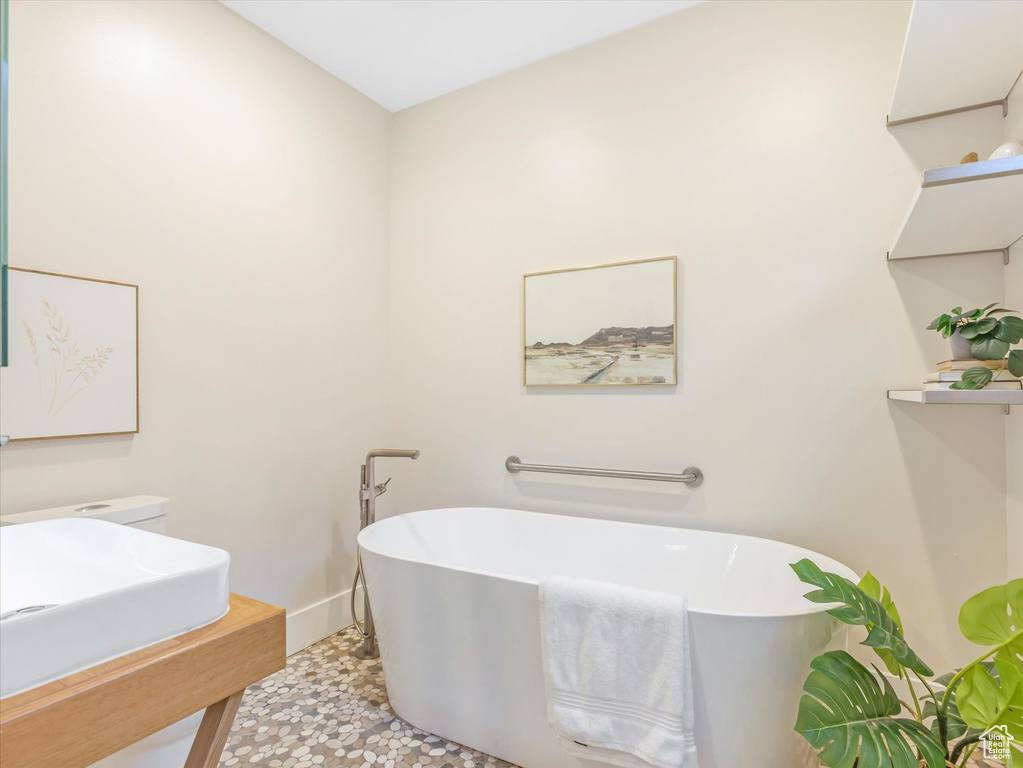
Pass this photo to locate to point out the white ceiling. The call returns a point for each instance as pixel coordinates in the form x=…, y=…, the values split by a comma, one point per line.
x=404, y=52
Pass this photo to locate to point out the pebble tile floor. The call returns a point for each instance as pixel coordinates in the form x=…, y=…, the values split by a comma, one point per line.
x=327, y=708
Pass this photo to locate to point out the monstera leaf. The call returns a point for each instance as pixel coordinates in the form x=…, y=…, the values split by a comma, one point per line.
x=956, y=726
x=872, y=588
x=987, y=697
x=852, y=721
x=985, y=701
x=994, y=617
x=860, y=609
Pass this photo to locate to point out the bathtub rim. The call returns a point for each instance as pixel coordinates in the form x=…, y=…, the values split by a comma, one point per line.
x=811, y=609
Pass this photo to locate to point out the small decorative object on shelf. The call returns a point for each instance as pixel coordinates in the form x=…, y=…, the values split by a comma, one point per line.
x=1008, y=149
x=855, y=718
x=972, y=157
x=980, y=342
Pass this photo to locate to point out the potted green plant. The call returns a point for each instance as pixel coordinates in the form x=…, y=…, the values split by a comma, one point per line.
x=853, y=716
x=981, y=335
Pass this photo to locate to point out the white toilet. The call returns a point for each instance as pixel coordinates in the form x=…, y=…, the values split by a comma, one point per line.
x=167, y=748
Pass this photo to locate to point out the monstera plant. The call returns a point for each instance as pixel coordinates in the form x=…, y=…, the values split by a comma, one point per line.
x=852, y=714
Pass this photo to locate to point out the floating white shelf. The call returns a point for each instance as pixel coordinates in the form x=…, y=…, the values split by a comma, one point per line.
x=958, y=55
x=964, y=209
x=957, y=397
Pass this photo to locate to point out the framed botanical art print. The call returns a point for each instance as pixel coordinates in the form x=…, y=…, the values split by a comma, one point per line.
x=73, y=357
x=605, y=325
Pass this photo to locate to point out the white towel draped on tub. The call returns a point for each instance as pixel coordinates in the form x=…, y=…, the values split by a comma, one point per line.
x=619, y=679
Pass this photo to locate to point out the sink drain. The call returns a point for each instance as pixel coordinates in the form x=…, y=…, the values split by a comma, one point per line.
x=25, y=610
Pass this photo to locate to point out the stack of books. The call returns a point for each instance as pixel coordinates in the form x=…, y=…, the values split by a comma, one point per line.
x=951, y=371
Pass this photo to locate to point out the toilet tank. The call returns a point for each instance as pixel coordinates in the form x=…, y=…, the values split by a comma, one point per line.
x=148, y=513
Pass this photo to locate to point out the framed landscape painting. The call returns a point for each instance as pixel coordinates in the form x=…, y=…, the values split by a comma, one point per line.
x=73, y=357
x=606, y=325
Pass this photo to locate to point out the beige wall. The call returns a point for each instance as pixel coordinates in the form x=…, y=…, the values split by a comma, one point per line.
x=763, y=162
x=176, y=146
x=1014, y=424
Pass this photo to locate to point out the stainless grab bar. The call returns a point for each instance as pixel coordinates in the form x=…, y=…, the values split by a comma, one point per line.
x=691, y=476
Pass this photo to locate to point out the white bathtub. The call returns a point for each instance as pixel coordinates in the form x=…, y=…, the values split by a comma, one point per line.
x=454, y=596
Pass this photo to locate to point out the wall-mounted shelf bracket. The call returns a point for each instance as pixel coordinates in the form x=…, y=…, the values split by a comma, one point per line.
x=1004, y=103
x=1003, y=251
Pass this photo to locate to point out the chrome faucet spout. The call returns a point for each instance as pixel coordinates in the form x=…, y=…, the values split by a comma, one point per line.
x=391, y=453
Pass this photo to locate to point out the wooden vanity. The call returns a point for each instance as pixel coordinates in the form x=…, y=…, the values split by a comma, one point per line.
x=79, y=719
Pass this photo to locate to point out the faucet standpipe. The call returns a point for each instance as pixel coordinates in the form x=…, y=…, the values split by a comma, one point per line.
x=368, y=492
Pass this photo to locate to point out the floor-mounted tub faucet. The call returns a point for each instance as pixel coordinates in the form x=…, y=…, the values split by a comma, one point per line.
x=368, y=492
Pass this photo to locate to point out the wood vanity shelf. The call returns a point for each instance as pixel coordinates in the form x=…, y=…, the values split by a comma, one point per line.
x=79, y=719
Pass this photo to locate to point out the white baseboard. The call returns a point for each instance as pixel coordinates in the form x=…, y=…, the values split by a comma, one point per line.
x=313, y=623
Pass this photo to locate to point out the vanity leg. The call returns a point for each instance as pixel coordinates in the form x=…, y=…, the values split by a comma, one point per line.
x=213, y=732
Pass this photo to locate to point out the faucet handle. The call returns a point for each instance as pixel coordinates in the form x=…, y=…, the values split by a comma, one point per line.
x=381, y=488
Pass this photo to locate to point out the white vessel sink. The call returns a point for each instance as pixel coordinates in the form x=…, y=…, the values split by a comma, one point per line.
x=109, y=590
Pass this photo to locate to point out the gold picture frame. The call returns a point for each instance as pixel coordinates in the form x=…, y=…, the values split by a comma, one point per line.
x=598, y=360
x=87, y=366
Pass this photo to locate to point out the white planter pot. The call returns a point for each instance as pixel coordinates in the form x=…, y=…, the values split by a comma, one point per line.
x=960, y=347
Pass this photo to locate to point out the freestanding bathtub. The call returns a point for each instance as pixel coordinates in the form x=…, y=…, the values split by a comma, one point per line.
x=454, y=597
